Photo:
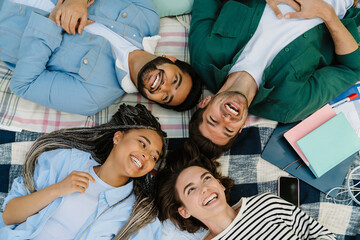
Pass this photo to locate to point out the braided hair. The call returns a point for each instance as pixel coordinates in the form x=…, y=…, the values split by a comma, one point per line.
x=98, y=141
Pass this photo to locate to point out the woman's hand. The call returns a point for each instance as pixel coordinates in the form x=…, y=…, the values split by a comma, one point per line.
x=20, y=208
x=75, y=182
x=71, y=15
x=273, y=5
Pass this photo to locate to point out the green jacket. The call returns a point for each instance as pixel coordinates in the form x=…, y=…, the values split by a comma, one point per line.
x=303, y=76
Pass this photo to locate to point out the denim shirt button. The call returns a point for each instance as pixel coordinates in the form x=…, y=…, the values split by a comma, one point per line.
x=86, y=61
x=124, y=15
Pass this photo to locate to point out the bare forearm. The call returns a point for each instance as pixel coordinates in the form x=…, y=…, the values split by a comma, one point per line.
x=20, y=208
x=343, y=40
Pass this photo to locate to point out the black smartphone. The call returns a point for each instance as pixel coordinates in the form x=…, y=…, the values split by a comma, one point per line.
x=288, y=189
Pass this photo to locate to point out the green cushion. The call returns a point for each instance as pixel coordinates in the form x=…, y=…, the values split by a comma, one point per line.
x=173, y=7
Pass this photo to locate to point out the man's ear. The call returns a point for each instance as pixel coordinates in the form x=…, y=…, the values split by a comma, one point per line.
x=183, y=212
x=203, y=103
x=171, y=58
x=117, y=137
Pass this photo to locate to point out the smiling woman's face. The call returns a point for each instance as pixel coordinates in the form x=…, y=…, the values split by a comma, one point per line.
x=202, y=195
x=136, y=152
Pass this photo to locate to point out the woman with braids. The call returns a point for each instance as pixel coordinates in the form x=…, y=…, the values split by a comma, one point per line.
x=89, y=183
x=193, y=196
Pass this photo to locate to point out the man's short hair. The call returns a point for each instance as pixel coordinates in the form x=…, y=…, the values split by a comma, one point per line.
x=195, y=92
x=206, y=146
x=167, y=198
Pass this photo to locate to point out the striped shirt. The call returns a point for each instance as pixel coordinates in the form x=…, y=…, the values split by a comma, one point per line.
x=266, y=216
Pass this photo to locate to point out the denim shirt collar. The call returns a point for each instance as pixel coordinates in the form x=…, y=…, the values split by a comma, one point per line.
x=115, y=195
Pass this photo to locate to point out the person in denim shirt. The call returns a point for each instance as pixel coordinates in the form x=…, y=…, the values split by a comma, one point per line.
x=89, y=183
x=80, y=73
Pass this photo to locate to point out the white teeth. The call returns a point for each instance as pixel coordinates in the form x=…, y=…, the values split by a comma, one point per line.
x=137, y=162
x=156, y=81
x=231, y=109
x=211, y=199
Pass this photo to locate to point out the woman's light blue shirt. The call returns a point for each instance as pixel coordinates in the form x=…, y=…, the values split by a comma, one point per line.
x=54, y=166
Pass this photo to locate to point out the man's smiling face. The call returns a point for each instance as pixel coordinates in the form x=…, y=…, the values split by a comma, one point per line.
x=224, y=117
x=160, y=80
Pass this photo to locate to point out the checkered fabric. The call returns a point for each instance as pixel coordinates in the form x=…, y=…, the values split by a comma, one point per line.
x=243, y=163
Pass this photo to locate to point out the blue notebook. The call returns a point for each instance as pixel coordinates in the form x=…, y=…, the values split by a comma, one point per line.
x=329, y=144
x=280, y=153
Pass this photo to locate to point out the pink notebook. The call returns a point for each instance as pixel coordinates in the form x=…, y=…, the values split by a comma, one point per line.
x=306, y=126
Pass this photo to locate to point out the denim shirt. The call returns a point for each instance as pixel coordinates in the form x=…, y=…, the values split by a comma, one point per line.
x=54, y=166
x=70, y=73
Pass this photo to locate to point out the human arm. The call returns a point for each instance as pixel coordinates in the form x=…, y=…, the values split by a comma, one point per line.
x=344, y=42
x=72, y=15
x=62, y=85
x=20, y=208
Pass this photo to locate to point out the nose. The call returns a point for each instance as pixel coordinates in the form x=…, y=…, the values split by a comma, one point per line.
x=226, y=117
x=203, y=189
x=145, y=156
x=166, y=87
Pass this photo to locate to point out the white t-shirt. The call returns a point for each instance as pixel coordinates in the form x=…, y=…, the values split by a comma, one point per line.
x=272, y=35
x=74, y=210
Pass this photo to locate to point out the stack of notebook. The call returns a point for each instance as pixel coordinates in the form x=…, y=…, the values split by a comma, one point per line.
x=323, y=140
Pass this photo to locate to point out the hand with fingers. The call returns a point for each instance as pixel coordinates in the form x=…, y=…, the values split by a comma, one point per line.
x=71, y=15
x=313, y=9
x=273, y=4
x=76, y=181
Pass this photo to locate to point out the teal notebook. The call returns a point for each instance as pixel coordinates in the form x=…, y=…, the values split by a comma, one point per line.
x=329, y=144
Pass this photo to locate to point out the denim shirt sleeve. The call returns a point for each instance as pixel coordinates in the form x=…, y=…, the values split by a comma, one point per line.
x=51, y=88
x=148, y=9
x=46, y=172
x=17, y=190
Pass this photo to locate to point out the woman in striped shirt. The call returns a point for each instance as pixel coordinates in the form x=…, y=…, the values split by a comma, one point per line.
x=192, y=195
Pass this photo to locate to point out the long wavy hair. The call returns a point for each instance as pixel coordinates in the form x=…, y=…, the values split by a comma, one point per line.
x=98, y=141
x=167, y=199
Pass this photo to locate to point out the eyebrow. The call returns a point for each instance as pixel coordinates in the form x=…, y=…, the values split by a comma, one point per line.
x=190, y=184
x=148, y=141
x=209, y=122
x=180, y=80
x=178, y=85
x=213, y=125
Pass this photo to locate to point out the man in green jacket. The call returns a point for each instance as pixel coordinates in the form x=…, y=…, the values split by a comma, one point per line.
x=309, y=58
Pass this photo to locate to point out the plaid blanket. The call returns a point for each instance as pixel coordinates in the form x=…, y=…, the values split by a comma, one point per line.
x=243, y=163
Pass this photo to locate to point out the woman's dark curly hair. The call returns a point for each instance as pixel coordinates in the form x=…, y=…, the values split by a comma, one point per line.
x=167, y=198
